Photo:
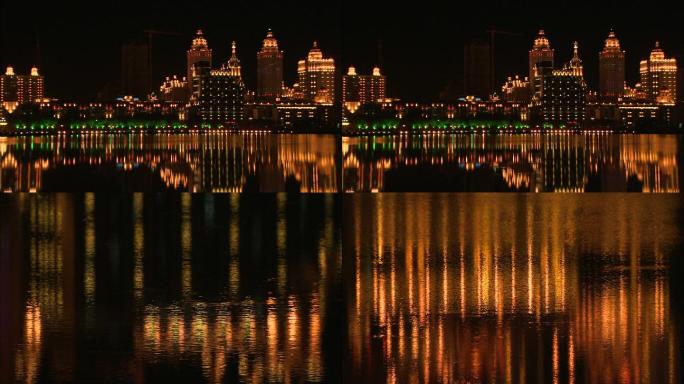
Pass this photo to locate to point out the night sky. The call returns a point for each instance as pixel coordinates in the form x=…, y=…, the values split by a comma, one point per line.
x=422, y=43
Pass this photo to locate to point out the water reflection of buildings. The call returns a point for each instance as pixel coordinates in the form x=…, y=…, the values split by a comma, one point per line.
x=481, y=288
x=560, y=163
x=209, y=163
x=73, y=278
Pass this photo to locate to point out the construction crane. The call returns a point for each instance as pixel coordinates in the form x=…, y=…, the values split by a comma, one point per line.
x=492, y=34
x=150, y=33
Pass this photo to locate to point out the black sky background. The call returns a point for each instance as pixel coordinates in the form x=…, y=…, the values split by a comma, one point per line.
x=422, y=42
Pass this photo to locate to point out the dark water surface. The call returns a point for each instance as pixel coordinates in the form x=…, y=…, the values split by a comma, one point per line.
x=357, y=288
x=512, y=162
x=214, y=162
x=170, y=288
x=513, y=288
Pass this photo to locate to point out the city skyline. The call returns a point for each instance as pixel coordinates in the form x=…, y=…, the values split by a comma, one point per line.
x=72, y=30
x=429, y=40
x=341, y=191
x=399, y=46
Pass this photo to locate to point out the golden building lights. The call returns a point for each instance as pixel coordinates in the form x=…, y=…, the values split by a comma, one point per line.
x=358, y=89
x=199, y=55
x=611, y=69
x=20, y=89
x=174, y=89
x=316, y=76
x=516, y=90
x=541, y=54
x=561, y=94
x=221, y=95
x=658, y=76
x=269, y=70
x=233, y=64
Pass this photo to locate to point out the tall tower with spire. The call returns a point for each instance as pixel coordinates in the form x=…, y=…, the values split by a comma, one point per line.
x=317, y=77
x=221, y=98
x=575, y=64
x=233, y=64
x=659, y=77
x=199, y=58
x=611, y=69
x=269, y=70
x=564, y=92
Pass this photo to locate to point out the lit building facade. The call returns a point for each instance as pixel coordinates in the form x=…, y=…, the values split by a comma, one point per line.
x=19, y=89
x=541, y=55
x=564, y=93
x=644, y=114
x=516, y=90
x=304, y=116
x=269, y=70
x=221, y=97
x=659, y=77
x=317, y=77
x=611, y=69
x=199, y=59
x=362, y=89
x=174, y=90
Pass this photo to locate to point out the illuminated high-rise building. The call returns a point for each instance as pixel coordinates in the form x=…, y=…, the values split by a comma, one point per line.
x=659, y=77
x=477, y=69
x=199, y=59
x=269, y=70
x=564, y=92
x=19, y=89
x=362, y=89
x=611, y=69
x=221, y=96
x=541, y=56
x=317, y=77
x=35, y=85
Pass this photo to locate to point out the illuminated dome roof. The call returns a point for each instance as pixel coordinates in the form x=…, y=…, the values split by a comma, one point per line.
x=376, y=71
x=612, y=42
x=9, y=71
x=657, y=53
x=351, y=71
x=270, y=41
x=315, y=52
x=541, y=41
x=199, y=42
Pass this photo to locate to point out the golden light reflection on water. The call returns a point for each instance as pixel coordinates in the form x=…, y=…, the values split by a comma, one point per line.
x=237, y=336
x=535, y=163
x=194, y=163
x=498, y=288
